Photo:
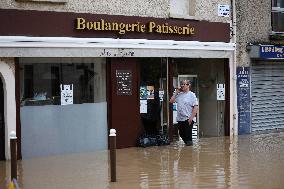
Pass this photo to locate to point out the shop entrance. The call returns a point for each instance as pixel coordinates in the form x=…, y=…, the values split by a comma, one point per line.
x=209, y=82
x=153, y=96
x=2, y=123
x=137, y=98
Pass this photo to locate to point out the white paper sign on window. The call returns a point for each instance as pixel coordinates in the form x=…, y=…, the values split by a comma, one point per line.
x=224, y=10
x=66, y=94
x=220, y=91
x=143, y=106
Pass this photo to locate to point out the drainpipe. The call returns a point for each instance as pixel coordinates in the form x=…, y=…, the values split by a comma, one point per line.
x=234, y=130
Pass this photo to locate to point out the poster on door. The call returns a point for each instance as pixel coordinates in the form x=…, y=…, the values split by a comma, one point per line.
x=143, y=92
x=161, y=95
x=220, y=91
x=143, y=106
x=66, y=94
x=150, y=92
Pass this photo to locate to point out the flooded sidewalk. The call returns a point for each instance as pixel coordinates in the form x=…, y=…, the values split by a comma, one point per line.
x=249, y=161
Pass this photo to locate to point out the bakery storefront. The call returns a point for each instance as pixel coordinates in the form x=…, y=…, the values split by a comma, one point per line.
x=77, y=75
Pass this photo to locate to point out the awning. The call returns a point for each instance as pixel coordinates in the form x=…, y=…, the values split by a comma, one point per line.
x=24, y=46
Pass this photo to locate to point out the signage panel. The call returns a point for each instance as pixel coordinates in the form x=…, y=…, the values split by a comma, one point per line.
x=271, y=51
x=68, y=24
x=243, y=91
x=124, y=82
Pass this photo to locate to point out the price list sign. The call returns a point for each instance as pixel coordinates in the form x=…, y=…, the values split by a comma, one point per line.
x=124, y=82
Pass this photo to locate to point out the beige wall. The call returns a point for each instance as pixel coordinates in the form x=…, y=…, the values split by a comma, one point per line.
x=208, y=10
x=203, y=9
x=157, y=8
x=198, y=9
x=253, y=26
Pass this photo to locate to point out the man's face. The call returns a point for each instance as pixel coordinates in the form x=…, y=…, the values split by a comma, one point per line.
x=184, y=85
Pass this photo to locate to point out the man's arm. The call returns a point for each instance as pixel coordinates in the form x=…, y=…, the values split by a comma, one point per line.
x=193, y=114
x=173, y=98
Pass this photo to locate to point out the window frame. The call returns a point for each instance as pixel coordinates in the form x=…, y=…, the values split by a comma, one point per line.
x=276, y=10
x=191, y=11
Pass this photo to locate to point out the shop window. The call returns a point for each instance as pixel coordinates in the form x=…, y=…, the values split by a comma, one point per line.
x=182, y=8
x=278, y=16
x=62, y=120
x=43, y=81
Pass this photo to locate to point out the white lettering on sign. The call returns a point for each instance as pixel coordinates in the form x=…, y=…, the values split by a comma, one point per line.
x=120, y=53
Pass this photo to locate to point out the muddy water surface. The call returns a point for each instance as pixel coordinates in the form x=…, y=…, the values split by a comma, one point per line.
x=249, y=161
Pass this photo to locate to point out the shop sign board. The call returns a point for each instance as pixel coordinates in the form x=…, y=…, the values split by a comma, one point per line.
x=243, y=91
x=271, y=51
x=86, y=25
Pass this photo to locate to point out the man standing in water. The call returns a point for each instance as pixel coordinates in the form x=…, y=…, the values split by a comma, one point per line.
x=187, y=107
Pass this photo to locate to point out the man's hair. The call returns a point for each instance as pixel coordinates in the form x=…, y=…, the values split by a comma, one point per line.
x=187, y=82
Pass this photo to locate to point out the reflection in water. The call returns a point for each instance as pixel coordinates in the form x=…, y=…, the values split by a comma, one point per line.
x=250, y=161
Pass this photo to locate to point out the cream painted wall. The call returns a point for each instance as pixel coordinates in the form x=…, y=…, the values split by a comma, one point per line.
x=157, y=8
x=203, y=9
x=198, y=10
x=253, y=26
x=8, y=79
x=208, y=10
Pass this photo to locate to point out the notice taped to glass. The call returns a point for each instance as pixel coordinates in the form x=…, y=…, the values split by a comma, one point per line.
x=124, y=82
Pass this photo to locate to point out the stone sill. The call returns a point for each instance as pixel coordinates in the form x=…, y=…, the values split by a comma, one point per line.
x=276, y=35
x=183, y=16
x=44, y=1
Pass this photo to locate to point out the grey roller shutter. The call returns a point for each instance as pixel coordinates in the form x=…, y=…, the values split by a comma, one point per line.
x=267, y=90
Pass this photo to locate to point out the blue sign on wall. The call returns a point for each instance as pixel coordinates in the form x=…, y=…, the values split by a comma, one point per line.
x=243, y=92
x=271, y=51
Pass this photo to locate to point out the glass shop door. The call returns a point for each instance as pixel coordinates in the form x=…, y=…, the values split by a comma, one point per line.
x=153, y=96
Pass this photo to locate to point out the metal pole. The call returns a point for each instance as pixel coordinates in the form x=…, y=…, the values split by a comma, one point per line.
x=112, y=139
x=13, y=149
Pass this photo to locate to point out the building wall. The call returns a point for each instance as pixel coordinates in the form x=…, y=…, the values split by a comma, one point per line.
x=157, y=8
x=203, y=10
x=208, y=10
x=253, y=26
x=199, y=10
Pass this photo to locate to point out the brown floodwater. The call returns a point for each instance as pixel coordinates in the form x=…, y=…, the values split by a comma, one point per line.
x=249, y=161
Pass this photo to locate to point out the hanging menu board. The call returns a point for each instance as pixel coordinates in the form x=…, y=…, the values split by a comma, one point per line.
x=243, y=90
x=124, y=82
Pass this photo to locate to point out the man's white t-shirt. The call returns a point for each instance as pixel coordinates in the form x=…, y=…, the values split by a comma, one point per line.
x=185, y=103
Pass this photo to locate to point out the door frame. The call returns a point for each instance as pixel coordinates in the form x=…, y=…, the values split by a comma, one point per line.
x=2, y=137
x=227, y=97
